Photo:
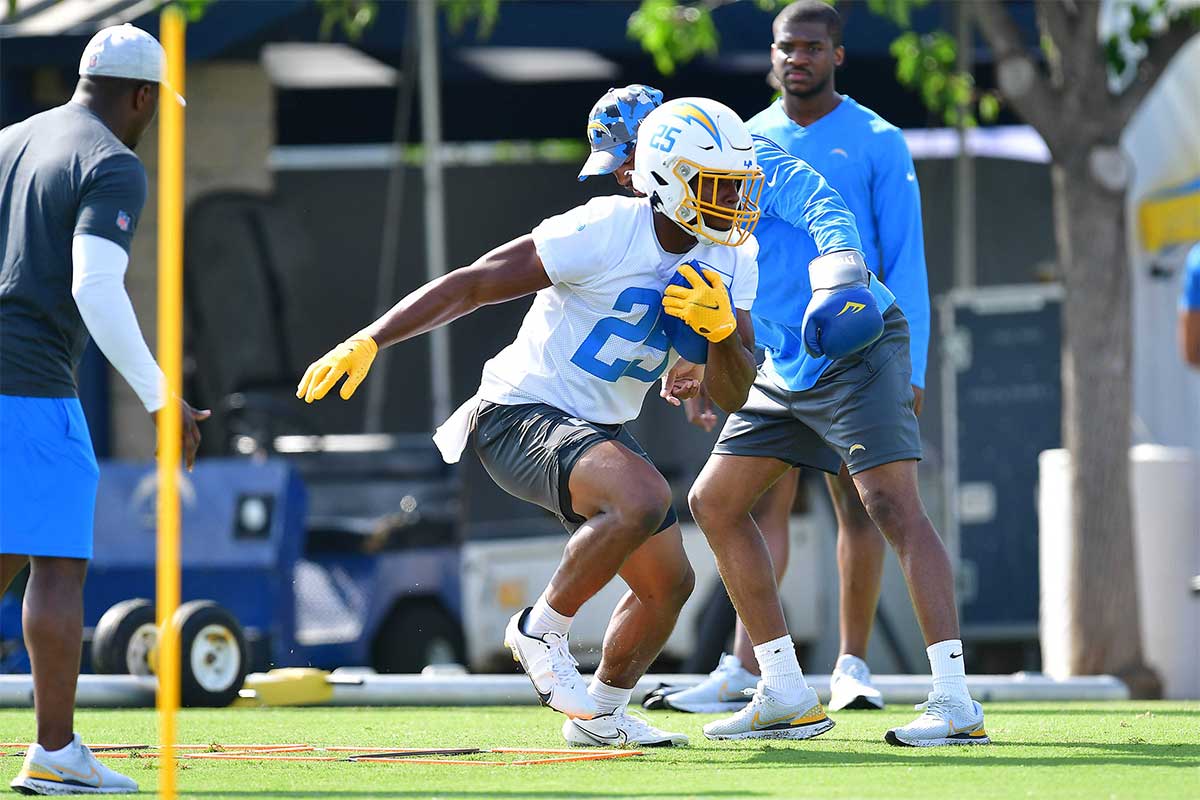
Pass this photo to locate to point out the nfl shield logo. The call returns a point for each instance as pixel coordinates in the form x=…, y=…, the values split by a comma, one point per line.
x=124, y=221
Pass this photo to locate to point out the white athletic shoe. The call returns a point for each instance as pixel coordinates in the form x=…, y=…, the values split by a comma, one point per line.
x=850, y=686
x=551, y=668
x=723, y=691
x=620, y=728
x=767, y=718
x=945, y=720
x=71, y=771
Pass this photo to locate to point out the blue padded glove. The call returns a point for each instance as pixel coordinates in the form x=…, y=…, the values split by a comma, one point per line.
x=842, y=317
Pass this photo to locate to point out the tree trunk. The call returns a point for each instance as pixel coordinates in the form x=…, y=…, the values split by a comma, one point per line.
x=1089, y=210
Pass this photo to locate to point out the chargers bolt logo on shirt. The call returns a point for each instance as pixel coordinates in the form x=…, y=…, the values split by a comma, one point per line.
x=124, y=221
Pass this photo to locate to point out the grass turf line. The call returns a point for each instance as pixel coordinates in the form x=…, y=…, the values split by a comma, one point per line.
x=1049, y=750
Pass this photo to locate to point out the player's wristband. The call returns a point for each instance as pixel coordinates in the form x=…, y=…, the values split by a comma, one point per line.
x=839, y=268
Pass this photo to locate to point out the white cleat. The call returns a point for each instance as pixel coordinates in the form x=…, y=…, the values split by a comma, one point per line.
x=620, y=728
x=945, y=720
x=850, y=687
x=551, y=668
x=767, y=718
x=72, y=771
x=722, y=692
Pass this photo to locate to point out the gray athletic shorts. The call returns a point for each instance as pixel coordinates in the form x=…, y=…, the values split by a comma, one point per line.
x=859, y=413
x=530, y=450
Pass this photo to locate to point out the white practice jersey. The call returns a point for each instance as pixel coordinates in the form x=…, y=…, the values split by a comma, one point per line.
x=593, y=342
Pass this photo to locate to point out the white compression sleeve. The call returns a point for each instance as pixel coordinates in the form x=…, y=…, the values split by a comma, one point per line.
x=98, y=286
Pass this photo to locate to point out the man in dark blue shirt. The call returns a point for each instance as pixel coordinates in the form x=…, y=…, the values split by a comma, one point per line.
x=71, y=194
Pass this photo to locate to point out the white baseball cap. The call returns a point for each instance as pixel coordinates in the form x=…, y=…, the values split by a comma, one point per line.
x=126, y=51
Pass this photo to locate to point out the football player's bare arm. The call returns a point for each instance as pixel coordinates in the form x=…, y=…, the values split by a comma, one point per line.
x=730, y=370
x=510, y=271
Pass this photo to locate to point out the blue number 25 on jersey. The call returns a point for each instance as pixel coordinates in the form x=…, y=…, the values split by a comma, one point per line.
x=648, y=330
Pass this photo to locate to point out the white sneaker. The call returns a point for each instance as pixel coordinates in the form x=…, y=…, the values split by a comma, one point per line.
x=620, y=728
x=767, y=718
x=945, y=720
x=551, y=668
x=73, y=770
x=721, y=692
x=850, y=686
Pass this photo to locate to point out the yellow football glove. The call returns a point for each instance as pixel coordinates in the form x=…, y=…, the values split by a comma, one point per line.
x=705, y=307
x=352, y=358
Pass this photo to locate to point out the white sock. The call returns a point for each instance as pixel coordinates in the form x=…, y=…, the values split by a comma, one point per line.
x=949, y=672
x=846, y=661
x=608, y=698
x=544, y=619
x=62, y=751
x=781, y=675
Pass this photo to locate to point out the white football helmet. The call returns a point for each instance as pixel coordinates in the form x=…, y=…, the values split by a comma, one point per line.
x=695, y=161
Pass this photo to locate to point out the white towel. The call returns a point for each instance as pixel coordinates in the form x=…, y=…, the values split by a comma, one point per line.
x=451, y=436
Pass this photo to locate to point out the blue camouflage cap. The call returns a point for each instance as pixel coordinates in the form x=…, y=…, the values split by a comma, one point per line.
x=613, y=124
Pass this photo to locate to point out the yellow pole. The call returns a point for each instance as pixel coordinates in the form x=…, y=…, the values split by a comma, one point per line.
x=170, y=357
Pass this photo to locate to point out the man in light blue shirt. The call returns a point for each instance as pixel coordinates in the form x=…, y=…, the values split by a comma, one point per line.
x=867, y=161
x=852, y=416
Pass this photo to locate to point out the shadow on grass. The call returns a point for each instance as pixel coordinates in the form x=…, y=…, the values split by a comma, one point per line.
x=350, y=793
x=997, y=753
x=1001, y=710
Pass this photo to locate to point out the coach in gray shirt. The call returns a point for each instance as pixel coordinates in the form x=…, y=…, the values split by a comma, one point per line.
x=71, y=195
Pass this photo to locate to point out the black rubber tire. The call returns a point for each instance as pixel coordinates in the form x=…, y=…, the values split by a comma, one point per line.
x=115, y=631
x=413, y=634
x=200, y=691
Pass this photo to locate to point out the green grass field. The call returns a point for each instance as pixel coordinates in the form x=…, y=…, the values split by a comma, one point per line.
x=1062, y=750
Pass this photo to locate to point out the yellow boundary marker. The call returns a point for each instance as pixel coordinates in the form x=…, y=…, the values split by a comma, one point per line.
x=170, y=357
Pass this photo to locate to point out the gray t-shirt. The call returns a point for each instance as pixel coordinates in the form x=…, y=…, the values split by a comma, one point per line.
x=62, y=173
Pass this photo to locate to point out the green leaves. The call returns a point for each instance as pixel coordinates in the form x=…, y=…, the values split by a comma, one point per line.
x=194, y=9
x=351, y=16
x=926, y=63
x=460, y=12
x=1138, y=21
x=673, y=33
x=898, y=11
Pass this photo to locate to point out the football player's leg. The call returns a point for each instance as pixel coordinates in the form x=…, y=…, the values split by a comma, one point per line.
x=623, y=499
x=889, y=492
x=784, y=706
x=723, y=690
x=860, y=550
x=721, y=500
x=660, y=580
x=52, y=619
x=771, y=513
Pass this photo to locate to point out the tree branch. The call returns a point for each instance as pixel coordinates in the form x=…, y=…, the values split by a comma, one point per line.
x=1020, y=79
x=1055, y=21
x=1054, y=25
x=1161, y=50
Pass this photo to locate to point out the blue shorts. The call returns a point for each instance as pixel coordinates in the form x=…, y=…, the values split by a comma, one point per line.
x=48, y=477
